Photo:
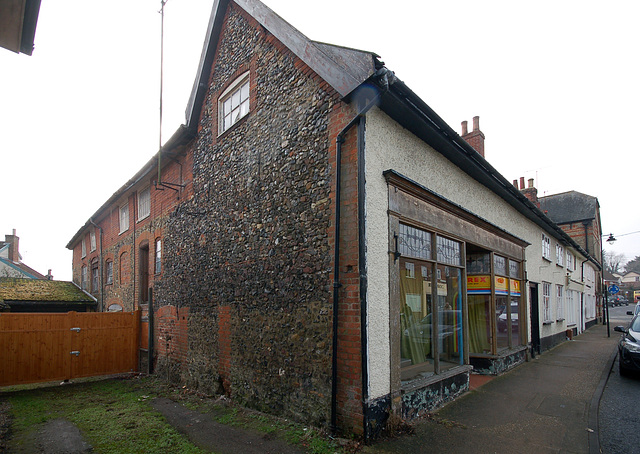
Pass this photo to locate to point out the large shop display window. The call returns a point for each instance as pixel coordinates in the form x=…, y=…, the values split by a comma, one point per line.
x=431, y=309
x=495, y=302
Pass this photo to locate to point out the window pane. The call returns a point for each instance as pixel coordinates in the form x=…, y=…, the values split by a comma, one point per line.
x=502, y=313
x=479, y=323
x=448, y=251
x=244, y=91
x=416, y=319
x=500, y=265
x=514, y=312
x=235, y=100
x=450, y=317
x=226, y=107
x=514, y=269
x=414, y=242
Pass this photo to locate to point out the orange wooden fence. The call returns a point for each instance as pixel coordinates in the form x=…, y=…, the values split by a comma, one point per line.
x=47, y=347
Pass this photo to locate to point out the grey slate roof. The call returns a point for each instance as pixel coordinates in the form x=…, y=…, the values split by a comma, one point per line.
x=569, y=206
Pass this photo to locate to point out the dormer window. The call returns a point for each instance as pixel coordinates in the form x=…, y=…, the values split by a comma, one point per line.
x=234, y=103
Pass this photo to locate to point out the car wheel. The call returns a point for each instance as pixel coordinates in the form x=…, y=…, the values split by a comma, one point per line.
x=623, y=372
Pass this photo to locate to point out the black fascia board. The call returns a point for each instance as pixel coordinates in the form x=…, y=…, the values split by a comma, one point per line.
x=411, y=112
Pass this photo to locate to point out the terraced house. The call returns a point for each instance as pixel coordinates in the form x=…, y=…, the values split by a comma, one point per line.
x=329, y=249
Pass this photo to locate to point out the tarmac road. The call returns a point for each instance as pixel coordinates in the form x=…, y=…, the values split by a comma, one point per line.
x=618, y=414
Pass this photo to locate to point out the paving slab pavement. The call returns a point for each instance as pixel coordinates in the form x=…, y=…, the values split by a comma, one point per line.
x=546, y=405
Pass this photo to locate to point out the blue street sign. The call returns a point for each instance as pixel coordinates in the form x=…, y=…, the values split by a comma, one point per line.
x=613, y=289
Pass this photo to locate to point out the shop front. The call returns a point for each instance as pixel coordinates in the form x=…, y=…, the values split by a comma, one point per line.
x=455, y=295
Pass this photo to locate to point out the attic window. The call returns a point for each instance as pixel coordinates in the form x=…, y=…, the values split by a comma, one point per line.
x=233, y=104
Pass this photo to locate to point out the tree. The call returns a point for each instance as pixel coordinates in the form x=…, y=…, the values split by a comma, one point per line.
x=613, y=262
x=633, y=265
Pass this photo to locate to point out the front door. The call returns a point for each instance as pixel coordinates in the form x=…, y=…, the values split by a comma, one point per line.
x=535, y=319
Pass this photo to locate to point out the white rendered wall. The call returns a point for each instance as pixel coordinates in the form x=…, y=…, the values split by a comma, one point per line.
x=389, y=146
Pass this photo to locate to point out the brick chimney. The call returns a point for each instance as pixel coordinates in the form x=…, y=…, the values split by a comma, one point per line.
x=14, y=243
x=474, y=138
x=530, y=192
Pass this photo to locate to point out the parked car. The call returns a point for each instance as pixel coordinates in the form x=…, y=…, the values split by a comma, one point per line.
x=502, y=318
x=636, y=310
x=629, y=346
x=450, y=324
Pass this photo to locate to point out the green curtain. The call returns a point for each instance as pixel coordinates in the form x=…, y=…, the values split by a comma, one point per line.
x=478, y=323
x=416, y=340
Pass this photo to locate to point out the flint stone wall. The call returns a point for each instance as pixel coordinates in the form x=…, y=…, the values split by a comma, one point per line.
x=253, y=240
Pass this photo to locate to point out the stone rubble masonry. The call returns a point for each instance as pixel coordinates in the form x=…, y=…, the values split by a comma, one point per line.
x=250, y=254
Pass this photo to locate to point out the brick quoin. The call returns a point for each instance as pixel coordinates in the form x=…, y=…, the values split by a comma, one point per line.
x=350, y=416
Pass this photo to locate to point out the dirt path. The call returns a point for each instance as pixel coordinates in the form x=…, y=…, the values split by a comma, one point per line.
x=216, y=437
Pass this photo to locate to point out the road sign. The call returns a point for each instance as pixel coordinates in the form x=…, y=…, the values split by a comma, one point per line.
x=613, y=289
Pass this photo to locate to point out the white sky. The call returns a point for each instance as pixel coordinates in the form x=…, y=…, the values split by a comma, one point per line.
x=555, y=84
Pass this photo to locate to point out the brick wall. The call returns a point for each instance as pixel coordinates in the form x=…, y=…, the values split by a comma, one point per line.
x=123, y=249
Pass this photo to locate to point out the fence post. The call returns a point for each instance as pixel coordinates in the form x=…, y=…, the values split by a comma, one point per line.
x=151, y=330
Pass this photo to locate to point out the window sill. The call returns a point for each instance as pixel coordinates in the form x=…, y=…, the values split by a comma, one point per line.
x=143, y=218
x=548, y=322
x=123, y=231
x=560, y=320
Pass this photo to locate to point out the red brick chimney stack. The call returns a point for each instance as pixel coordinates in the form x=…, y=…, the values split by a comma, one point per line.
x=474, y=138
x=14, y=243
x=530, y=192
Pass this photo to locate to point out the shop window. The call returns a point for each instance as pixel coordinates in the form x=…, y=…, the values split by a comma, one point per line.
x=431, y=306
x=494, y=324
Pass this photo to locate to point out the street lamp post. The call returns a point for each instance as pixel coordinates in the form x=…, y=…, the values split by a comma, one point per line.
x=610, y=240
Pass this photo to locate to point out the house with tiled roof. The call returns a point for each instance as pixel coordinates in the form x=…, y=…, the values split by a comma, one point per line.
x=43, y=295
x=11, y=261
x=331, y=250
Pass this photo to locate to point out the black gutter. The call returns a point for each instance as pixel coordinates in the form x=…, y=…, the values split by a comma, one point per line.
x=383, y=75
x=436, y=132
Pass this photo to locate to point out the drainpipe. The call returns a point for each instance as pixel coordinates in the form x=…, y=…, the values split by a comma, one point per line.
x=383, y=74
x=100, y=270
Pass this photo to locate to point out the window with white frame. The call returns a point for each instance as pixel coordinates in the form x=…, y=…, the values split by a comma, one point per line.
x=571, y=261
x=124, y=217
x=559, y=302
x=144, y=203
x=559, y=254
x=84, y=247
x=546, y=301
x=92, y=240
x=546, y=247
x=233, y=104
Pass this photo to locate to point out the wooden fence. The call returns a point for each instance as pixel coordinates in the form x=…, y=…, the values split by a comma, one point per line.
x=47, y=347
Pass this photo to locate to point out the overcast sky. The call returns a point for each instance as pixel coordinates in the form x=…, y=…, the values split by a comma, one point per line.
x=555, y=84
